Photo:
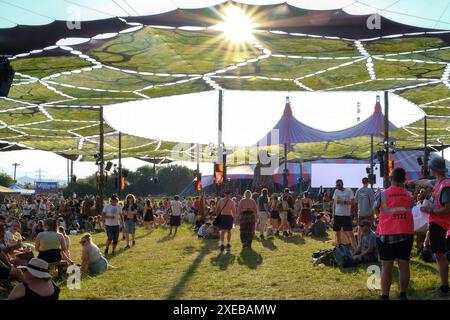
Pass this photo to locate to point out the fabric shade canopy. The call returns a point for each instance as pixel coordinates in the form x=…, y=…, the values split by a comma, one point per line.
x=22, y=190
x=64, y=75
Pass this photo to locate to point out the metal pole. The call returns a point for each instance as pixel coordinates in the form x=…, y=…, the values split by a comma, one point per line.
x=68, y=171
x=371, y=160
x=15, y=165
x=425, y=148
x=386, y=139
x=101, y=184
x=71, y=169
x=285, y=171
x=120, y=164
x=219, y=137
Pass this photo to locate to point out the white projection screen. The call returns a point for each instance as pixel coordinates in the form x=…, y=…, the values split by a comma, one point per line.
x=326, y=174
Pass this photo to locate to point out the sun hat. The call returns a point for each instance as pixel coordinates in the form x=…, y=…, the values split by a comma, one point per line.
x=38, y=268
x=438, y=165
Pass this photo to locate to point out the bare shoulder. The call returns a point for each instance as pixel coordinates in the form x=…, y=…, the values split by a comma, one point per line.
x=17, y=292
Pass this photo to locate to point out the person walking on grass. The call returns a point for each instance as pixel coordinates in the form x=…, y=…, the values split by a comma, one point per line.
x=395, y=232
x=112, y=219
x=227, y=210
x=130, y=217
x=274, y=204
x=343, y=200
x=247, y=213
x=439, y=217
x=176, y=210
x=263, y=211
x=148, y=215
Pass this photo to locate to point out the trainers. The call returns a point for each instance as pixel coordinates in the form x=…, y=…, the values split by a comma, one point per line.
x=127, y=247
x=106, y=251
x=262, y=237
x=443, y=291
x=222, y=248
x=228, y=247
x=384, y=297
x=402, y=296
x=285, y=234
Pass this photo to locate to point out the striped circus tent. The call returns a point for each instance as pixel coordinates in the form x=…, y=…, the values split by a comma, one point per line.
x=295, y=172
x=292, y=131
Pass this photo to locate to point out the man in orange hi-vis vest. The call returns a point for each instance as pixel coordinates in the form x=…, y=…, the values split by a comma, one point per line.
x=395, y=232
x=439, y=219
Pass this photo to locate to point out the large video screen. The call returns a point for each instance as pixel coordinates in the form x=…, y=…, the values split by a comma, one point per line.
x=326, y=174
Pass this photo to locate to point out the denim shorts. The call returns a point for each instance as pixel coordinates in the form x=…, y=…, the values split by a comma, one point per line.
x=130, y=226
x=98, y=266
x=112, y=233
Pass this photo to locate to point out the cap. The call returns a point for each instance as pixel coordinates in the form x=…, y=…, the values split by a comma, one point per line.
x=114, y=197
x=438, y=165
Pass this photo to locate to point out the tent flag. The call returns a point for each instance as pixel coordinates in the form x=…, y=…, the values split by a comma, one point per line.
x=292, y=131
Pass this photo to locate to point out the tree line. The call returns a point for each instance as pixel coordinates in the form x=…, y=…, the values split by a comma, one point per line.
x=170, y=180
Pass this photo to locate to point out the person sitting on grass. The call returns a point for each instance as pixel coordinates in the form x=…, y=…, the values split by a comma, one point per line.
x=37, y=284
x=7, y=271
x=51, y=245
x=62, y=231
x=367, y=247
x=92, y=261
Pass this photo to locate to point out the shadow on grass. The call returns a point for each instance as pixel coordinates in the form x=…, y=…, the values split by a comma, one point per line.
x=424, y=266
x=177, y=290
x=223, y=260
x=250, y=258
x=295, y=239
x=268, y=243
x=165, y=239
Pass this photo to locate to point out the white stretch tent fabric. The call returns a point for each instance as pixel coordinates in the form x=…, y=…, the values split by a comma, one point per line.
x=247, y=115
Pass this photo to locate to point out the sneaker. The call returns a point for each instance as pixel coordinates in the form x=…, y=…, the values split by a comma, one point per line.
x=106, y=251
x=402, y=296
x=285, y=234
x=262, y=237
x=113, y=253
x=127, y=247
x=384, y=297
x=277, y=233
x=443, y=291
x=134, y=243
x=228, y=247
x=222, y=248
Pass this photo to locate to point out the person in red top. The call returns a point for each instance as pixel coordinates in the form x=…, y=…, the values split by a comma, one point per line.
x=439, y=220
x=395, y=232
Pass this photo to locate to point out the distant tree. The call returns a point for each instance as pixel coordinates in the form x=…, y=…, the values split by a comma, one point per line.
x=173, y=179
x=6, y=180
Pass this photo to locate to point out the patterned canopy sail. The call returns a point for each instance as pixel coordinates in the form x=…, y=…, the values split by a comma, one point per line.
x=293, y=131
x=123, y=52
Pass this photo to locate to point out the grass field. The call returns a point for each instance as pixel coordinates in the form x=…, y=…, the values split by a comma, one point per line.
x=184, y=267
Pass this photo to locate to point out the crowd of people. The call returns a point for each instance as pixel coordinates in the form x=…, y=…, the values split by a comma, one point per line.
x=375, y=224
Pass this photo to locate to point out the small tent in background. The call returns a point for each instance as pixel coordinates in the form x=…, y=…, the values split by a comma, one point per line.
x=22, y=191
x=4, y=192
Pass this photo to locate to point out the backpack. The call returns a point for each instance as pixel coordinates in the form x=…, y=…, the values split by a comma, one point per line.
x=343, y=256
x=319, y=229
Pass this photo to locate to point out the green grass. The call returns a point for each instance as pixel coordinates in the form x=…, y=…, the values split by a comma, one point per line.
x=184, y=267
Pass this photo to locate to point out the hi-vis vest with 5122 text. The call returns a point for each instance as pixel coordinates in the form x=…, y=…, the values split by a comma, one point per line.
x=442, y=220
x=395, y=212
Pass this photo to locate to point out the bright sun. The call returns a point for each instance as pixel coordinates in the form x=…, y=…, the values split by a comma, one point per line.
x=237, y=27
